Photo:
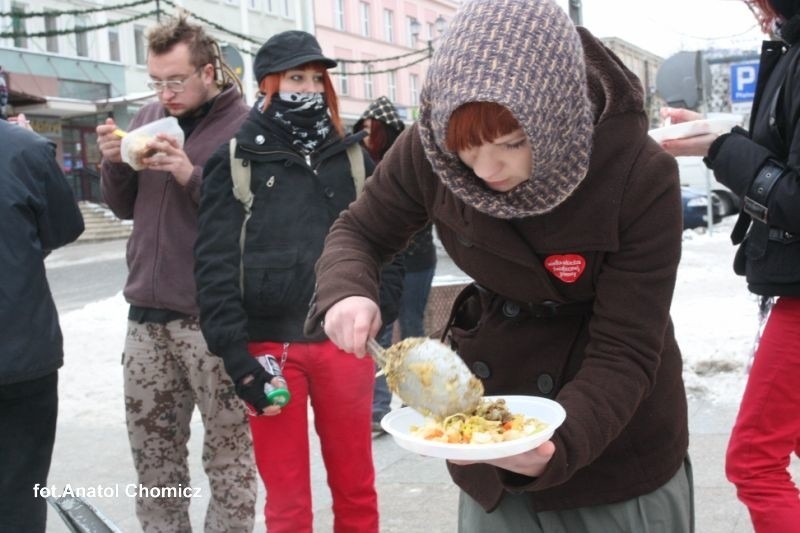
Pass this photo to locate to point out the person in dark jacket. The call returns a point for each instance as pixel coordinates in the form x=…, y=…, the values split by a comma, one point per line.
x=383, y=125
x=762, y=167
x=38, y=215
x=167, y=369
x=254, y=294
x=535, y=166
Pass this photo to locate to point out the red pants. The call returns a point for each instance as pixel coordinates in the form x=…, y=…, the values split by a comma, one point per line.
x=767, y=429
x=340, y=388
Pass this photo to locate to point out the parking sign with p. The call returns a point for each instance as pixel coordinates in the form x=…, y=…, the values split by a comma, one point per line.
x=743, y=81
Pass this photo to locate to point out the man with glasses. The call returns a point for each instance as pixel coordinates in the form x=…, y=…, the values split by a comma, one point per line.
x=166, y=365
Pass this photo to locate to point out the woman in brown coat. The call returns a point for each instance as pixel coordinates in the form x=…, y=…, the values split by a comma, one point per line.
x=532, y=159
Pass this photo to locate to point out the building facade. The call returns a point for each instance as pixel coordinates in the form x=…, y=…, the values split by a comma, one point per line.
x=383, y=48
x=68, y=81
x=71, y=63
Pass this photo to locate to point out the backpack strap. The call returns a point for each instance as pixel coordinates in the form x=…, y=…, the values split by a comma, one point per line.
x=240, y=174
x=356, y=158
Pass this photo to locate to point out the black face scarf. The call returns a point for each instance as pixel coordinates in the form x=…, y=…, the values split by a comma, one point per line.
x=303, y=116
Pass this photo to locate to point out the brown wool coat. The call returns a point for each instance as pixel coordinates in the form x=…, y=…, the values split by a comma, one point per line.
x=618, y=372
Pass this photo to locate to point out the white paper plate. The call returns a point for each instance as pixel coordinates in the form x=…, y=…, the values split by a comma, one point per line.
x=398, y=424
x=695, y=127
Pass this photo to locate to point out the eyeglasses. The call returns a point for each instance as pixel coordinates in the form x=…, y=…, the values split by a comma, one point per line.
x=174, y=86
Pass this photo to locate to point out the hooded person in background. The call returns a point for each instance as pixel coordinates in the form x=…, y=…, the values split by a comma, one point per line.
x=254, y=294
x=383, y=125
x=762, y=167
x=532, y=159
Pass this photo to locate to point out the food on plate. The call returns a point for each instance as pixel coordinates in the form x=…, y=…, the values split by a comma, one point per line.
x=490, y=423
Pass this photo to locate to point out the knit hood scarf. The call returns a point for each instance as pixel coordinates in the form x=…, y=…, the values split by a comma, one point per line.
x=527, y=56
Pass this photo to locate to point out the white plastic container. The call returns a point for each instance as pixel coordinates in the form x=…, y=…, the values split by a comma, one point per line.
x=134, y=144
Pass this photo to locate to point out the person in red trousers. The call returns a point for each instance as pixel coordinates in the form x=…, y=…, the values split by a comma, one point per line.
x=761, y=166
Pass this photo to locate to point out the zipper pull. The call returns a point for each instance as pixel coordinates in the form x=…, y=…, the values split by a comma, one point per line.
x=308, y=162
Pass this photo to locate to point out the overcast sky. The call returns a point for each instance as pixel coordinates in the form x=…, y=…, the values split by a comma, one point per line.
x=667, y=27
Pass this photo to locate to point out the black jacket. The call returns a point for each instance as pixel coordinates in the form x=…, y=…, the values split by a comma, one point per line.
x=770, y=254
x=296, y=201
x=38, y=214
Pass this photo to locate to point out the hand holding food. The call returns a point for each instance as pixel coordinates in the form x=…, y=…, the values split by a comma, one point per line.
x=108, y=142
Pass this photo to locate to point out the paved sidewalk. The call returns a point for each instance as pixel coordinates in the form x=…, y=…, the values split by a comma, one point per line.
x=415, y=492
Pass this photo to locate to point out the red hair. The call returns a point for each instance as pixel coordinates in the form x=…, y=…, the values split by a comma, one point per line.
x=475, y=123
x=270, y=86
x=764, y=13
x=381, y=138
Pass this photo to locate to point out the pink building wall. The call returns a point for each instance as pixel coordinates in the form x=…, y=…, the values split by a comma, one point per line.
x=350, y=43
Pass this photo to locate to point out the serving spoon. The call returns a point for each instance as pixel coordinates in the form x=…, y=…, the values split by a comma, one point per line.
x=428, y=376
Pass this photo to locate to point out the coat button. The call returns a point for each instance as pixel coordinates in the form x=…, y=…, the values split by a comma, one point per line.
x=328, y=192
x=481, y=369
x=464, y=241
x=545, y=383
x=510, y=309
x=260, y=139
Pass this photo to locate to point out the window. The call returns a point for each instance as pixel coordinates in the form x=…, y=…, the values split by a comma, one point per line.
x=252, y=4
x=411, y=39
x=113, y=44
x=18, y=25
x=392, y=86
x=139, y=44
x=413, y=83
x=338, y=14
x=51, y=26
x=429, y=27
x=388, y=25
x=81, y=37
x=343, y=82
x=368, y=82
x=288, y=11
x=363, y=11
x=268, y=6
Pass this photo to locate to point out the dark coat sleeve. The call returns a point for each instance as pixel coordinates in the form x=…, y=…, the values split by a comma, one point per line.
x=217, y=252
x=391, y=289
x=736, y=160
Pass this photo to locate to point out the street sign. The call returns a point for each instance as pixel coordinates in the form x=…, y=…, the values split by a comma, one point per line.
x=743, y=81
x=684, y=80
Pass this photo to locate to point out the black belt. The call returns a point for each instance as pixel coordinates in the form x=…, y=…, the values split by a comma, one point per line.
x=544, y=309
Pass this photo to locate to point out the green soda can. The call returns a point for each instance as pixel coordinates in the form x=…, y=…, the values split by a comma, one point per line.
x=280, y=395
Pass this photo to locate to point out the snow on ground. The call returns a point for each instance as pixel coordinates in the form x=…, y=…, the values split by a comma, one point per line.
x=715, y=322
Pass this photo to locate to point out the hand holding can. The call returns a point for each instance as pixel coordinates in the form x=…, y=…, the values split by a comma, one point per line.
x=276, y=391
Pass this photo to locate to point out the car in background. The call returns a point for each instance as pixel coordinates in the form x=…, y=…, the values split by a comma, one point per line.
x=695, y=175
x=695, y=208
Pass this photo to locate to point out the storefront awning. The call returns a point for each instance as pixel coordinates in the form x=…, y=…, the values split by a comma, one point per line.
x=20, y=98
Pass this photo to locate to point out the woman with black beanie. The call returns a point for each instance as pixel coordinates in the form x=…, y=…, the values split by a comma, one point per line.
x=254, y=294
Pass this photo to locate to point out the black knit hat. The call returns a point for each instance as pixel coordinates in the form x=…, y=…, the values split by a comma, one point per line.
x=286, y=50
x=384, y=111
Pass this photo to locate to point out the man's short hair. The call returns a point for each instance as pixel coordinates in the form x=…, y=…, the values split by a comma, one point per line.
x=163, y=37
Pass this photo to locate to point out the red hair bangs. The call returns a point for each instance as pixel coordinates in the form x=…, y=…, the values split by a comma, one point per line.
x=475, y=123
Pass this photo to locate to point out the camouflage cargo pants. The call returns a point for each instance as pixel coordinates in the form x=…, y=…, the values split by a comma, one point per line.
x=168, y=370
